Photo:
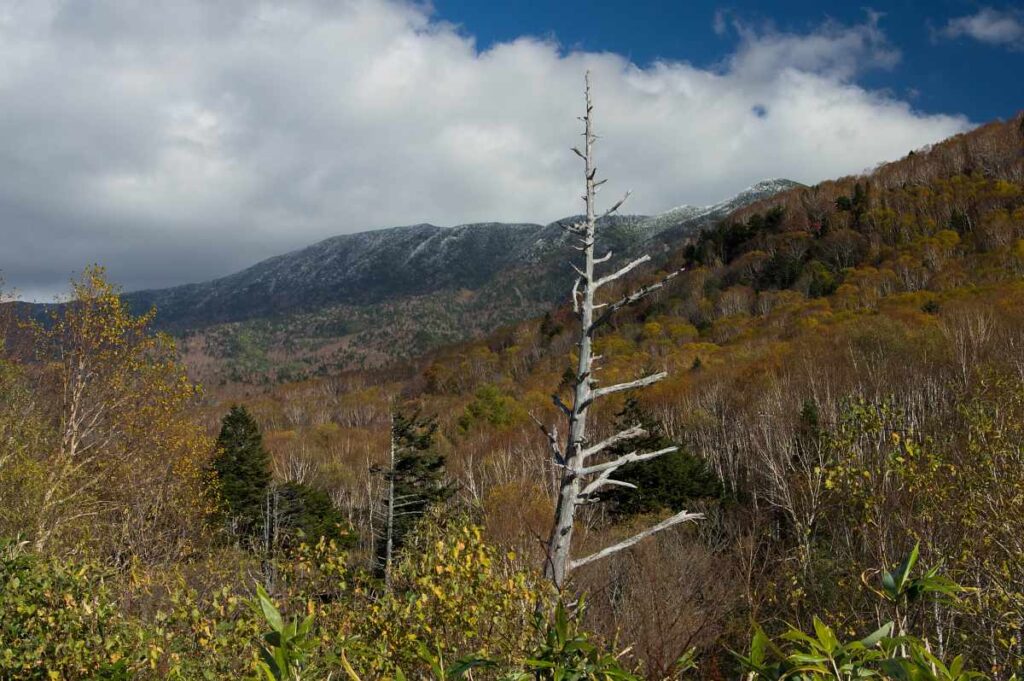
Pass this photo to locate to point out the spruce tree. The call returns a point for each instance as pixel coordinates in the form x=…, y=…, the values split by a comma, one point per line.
x=304, y=513
x=671, y=482
x=416, y=480
x=243, y=471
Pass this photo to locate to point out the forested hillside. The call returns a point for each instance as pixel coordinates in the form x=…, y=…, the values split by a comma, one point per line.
x=845, y=384
x=373, y=298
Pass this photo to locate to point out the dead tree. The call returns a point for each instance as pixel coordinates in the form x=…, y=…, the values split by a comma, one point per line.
x=582, y=470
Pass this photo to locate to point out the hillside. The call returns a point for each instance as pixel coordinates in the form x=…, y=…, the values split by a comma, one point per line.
x=845, y=358
x=365, y=299
x=844, y=402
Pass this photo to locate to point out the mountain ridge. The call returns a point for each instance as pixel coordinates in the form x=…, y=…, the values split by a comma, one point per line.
x=377, y=266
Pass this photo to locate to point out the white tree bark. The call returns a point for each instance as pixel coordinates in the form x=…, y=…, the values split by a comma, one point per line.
x=571, y=458
x=390, y=537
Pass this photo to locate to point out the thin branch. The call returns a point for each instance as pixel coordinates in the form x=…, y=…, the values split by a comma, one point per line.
x=628, y=434
x=630, y=299
x=601, y=481
x=681, y=517
x=629, y=385
x=622, y=272
x=632, y=457
x=616, y=206
x=552, y=436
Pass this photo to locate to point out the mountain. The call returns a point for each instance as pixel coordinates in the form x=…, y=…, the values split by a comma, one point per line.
x=390, y=264
x=368, y=299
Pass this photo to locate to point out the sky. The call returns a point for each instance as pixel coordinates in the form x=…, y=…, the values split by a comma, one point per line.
x=178, y=141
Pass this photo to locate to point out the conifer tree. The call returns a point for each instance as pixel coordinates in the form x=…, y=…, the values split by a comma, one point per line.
x=243, y=470
x=670, y=482
x=303, y=513
x=415, y=481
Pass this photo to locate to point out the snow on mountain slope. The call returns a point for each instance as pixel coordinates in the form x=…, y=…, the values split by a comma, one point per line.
x=372, y=267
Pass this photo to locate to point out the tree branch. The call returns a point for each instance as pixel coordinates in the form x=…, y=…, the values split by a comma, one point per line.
x=621, y=436
x=622, y=272
x=632, y=457
x=681, y=517
x=575, y=228
x=552, y=436
x=616, y=206
x=601, y=481
x=629, y=385
x=630, y=299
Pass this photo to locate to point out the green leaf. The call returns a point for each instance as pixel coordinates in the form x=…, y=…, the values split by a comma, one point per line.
x=459, y=669
x=908, y=564
x=889, y=584
x=270, y=612
x=826, y=637
x=882, y=632
x=758, y=645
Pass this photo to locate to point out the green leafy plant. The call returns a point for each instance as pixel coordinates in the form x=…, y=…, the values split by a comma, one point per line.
x=903, y=591
x=886, y=653
x=566, y=653
x=287, y=644
x=59, y=620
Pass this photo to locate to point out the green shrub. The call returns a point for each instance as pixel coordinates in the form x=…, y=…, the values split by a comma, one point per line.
x=890, y=652
x=60, y=621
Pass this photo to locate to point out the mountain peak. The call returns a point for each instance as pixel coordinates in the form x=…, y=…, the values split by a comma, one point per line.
x=772, y=185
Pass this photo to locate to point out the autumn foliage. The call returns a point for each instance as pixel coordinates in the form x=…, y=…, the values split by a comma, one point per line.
x=846, y=384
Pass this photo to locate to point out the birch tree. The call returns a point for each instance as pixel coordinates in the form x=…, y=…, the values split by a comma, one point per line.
x=126, y=467
x=584, y=467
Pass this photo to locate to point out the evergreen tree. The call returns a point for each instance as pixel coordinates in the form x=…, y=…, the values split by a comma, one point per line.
x=670, y=482
x=304, y=513
x=243, y=471
x=416, y=480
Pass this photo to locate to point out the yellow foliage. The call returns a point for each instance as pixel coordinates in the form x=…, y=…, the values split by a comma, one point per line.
x=127, y=454
x=453, y=594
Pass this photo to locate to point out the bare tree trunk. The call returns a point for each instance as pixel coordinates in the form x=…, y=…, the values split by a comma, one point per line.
x=390, y=537
x=571, y=458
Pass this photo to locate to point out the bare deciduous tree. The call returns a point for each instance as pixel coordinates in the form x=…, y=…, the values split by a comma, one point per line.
x=582, y=472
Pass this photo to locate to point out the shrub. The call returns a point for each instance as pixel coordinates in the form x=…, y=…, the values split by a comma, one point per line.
x=59, y=620
x=453, y=595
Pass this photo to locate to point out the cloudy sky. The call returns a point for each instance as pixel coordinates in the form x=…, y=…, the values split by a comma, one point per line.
x=180, y=141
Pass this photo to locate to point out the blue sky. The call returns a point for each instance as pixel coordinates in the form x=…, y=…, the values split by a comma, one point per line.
x=178, y=142
x=937, y=73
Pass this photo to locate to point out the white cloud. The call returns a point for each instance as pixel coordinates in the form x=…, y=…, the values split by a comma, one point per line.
x=1003, y=28
x=176, y=143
